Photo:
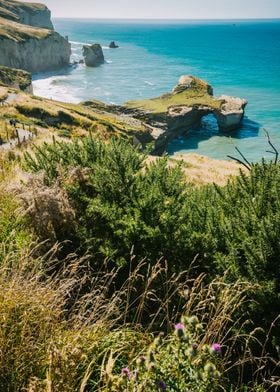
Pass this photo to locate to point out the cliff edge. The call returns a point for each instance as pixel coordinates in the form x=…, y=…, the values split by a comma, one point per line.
x=33, y=14
x=27, y=38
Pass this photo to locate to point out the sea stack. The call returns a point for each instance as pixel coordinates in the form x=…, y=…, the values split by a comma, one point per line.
x=93, y=55
x=113, y=45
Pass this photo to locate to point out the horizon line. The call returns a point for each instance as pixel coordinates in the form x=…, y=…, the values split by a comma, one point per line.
x=174, y=19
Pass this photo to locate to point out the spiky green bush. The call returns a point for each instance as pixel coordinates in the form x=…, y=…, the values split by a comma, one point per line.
x=125, y=207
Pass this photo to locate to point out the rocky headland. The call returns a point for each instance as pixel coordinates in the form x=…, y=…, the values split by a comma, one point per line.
x=27, y=38
x=175, y=113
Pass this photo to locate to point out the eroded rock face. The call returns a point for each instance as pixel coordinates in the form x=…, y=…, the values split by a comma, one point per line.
x=35, y=55
x=27, y=39
x=173, y=114
x=93, y=55
x=231, y=113
x=32, y=14
x=189, y=82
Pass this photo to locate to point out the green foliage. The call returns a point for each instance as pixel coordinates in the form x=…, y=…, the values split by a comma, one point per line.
x=14, y=234
x=176, y=363
x=124, y=204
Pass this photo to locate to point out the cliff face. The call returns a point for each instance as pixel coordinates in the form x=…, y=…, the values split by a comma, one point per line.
x=33, y=14
x=32, y=48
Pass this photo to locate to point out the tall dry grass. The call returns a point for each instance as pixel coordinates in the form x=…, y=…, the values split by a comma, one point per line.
x=58, y=332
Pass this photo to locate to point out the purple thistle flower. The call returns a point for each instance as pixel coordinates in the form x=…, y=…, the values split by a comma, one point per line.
x=180, y=330
x=125, y=372
x=179, y=326
x=161, y=385
x=216, y=348
x=195, y=346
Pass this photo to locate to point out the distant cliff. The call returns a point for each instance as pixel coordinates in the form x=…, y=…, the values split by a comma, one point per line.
x=33, y=14
x=27, y=38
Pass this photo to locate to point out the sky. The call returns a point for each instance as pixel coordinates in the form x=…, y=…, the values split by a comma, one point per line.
x=167, y=9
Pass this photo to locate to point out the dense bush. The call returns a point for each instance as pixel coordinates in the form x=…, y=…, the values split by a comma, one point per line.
x=125, y=206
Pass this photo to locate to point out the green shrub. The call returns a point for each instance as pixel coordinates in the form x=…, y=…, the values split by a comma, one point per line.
x=176, y=363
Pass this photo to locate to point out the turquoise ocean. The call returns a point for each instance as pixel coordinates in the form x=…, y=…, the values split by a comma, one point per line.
x=240, y=58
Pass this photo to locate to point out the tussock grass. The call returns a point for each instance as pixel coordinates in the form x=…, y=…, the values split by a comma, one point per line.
x=19, y=32
x=54, y=336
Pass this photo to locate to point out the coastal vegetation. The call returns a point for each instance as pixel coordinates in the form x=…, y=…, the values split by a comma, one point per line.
x=134, y=268
x=122, y=269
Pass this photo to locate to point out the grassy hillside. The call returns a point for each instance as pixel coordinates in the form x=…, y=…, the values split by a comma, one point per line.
x=19, y=32
x=70, y=119
x=15, y=77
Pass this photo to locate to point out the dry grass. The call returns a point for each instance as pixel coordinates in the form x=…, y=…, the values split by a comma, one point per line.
x=44, y=347
x=3, y=93
x=19, y=32
x=201, y=170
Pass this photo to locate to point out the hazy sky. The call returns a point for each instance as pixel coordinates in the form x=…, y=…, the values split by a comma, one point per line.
x=182, y=9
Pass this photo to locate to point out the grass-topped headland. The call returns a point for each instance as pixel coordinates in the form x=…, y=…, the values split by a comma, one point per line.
x=192, y=92
x=11, y=9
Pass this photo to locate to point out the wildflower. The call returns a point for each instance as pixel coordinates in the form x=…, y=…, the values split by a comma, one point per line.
x=161, y=385
x=125, y=372
x=216, y=348
x=180, y=330
x=195, y=346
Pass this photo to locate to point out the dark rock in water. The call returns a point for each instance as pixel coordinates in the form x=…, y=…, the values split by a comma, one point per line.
x=93, y=55
x=113, y=45
x=81, y=61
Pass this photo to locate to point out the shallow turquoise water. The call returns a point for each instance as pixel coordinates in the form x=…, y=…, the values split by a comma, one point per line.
x=239, y=58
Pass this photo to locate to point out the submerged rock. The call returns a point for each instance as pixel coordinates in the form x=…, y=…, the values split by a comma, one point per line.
x=93, y=55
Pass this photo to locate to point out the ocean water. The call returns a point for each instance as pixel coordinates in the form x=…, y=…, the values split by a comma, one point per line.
x=237, y=57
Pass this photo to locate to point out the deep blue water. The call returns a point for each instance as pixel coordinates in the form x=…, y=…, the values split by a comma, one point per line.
x=239, y=58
